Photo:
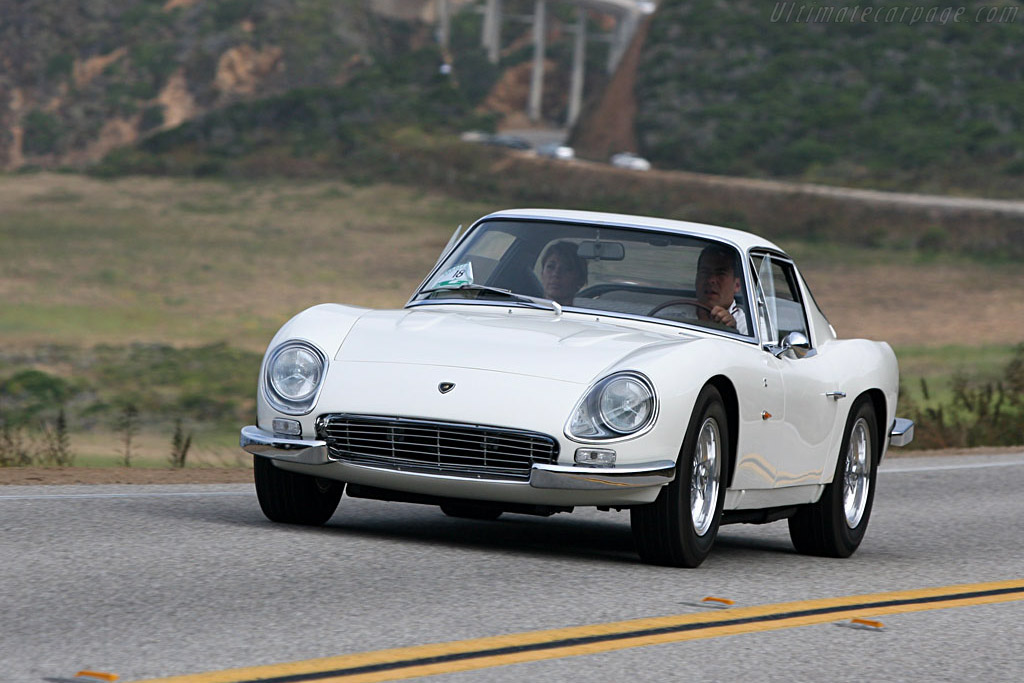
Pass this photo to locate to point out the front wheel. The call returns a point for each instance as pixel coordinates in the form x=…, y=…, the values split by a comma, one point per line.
x=835, y=525
x=292, y=498
x=680, y=526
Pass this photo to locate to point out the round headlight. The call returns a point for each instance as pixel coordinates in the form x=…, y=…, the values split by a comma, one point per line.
x=625, y=404
x=294, y=373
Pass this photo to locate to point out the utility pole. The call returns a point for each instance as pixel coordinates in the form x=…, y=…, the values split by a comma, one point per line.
x=537, y=77
x=491, y=35
x=444, y=25
x=578, y=62
x=624, y=30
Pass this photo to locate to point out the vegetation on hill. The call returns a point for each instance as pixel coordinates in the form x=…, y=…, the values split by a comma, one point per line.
x=83, y=78
x=754, y=88
x=83, y=75
x=323, y=126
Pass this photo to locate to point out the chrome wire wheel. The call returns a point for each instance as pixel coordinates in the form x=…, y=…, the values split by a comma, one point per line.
x=705, y=476
x=857, y=473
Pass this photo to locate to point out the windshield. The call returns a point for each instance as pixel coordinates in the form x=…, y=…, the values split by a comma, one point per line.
x=675, y=278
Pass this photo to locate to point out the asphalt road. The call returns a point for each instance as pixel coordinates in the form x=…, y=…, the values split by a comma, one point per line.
x=151, y=581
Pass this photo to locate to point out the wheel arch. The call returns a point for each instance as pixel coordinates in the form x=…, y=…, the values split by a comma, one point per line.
x=876, y=399
x=732, y=410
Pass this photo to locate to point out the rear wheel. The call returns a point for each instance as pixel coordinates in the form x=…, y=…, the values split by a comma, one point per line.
x=835, y=525
x=292, y=498
x=679, y=528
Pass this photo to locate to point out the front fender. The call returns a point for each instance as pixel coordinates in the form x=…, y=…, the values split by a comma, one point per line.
x=863, y=368
x=325, y=326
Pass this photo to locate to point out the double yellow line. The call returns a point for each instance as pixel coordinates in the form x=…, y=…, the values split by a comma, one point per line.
x=465, y=655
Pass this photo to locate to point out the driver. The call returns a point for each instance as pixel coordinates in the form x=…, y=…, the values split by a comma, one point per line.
x=717, y=284
x=562, y=272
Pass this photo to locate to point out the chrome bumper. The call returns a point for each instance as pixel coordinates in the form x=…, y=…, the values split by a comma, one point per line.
x=602, y=478
x=314, y=452
x=902, y=432
x=306, y=451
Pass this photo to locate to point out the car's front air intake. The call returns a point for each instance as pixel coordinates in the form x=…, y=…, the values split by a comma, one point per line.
x=450, y=448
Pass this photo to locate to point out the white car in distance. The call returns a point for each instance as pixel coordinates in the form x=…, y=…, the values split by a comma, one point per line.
x=630, y=161
x=556, y=150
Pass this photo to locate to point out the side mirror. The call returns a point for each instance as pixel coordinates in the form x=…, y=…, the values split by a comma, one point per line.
x=795, y=341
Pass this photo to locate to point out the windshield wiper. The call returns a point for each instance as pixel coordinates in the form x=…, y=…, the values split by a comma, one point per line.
x=525, y=298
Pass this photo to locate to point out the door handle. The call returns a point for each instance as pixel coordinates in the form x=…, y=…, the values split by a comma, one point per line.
x=836, y=394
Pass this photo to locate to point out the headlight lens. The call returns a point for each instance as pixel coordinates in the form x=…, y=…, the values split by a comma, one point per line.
x=619, y=405
x=293, y=376
x=625, y=405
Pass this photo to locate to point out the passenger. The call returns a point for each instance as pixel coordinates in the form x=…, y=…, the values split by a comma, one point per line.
x=562, y=272
x=716, y=284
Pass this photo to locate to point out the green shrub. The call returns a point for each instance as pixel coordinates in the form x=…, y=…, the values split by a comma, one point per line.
x=989, y=414
x=43, y=133
x=59, y=66
x=152, y=117
x=30, y=393
x=156, y=62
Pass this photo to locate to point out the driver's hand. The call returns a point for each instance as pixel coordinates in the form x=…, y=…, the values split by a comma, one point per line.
x=723, y=316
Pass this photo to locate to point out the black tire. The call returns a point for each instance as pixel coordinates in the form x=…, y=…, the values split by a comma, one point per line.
x=664, y=532
x=291, y=498
x=470, y=511
x=823, y=528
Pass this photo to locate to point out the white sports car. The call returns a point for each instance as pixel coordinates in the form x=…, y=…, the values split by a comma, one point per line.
x=554, y=359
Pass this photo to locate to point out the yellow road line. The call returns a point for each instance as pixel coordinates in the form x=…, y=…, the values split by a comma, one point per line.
x=426, y=660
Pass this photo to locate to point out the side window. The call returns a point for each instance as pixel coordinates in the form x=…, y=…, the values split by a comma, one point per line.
x=780, y=308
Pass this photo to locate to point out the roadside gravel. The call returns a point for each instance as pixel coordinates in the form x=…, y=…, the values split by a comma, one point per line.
x=27, y=476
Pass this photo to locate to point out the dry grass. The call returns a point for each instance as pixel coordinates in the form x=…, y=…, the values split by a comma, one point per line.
x=922, y=304
x=184, y=262
x=151, y=449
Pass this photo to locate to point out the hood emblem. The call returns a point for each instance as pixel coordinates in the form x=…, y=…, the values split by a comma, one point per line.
x=445, y=387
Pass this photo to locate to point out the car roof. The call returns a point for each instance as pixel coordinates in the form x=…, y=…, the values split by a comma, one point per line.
x=742, y=239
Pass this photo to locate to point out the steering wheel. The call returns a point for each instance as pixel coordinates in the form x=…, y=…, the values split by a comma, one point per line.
x=679, y=302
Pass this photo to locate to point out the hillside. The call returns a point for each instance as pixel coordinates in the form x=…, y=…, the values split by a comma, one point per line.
x=739, y=88
x=742, y=88
x=82, y=78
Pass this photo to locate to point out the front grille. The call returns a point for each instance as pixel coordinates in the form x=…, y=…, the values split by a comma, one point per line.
x=450, y=448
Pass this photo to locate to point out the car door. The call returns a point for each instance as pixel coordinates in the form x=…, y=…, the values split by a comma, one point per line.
x=805, y=430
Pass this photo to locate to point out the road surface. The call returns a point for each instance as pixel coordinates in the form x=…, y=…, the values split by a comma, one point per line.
x=156, y=581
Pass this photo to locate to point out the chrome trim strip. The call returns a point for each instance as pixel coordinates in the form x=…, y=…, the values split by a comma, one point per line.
x=902, y=432
x=259, y=442
x=641, y=475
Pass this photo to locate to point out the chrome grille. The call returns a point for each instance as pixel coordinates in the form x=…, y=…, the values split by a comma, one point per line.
x=450, y=448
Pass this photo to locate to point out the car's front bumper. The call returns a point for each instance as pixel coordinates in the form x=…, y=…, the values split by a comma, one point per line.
x=902, y=432
x=315, y=452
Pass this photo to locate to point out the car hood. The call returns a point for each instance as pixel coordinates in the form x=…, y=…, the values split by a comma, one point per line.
x=518, y=341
